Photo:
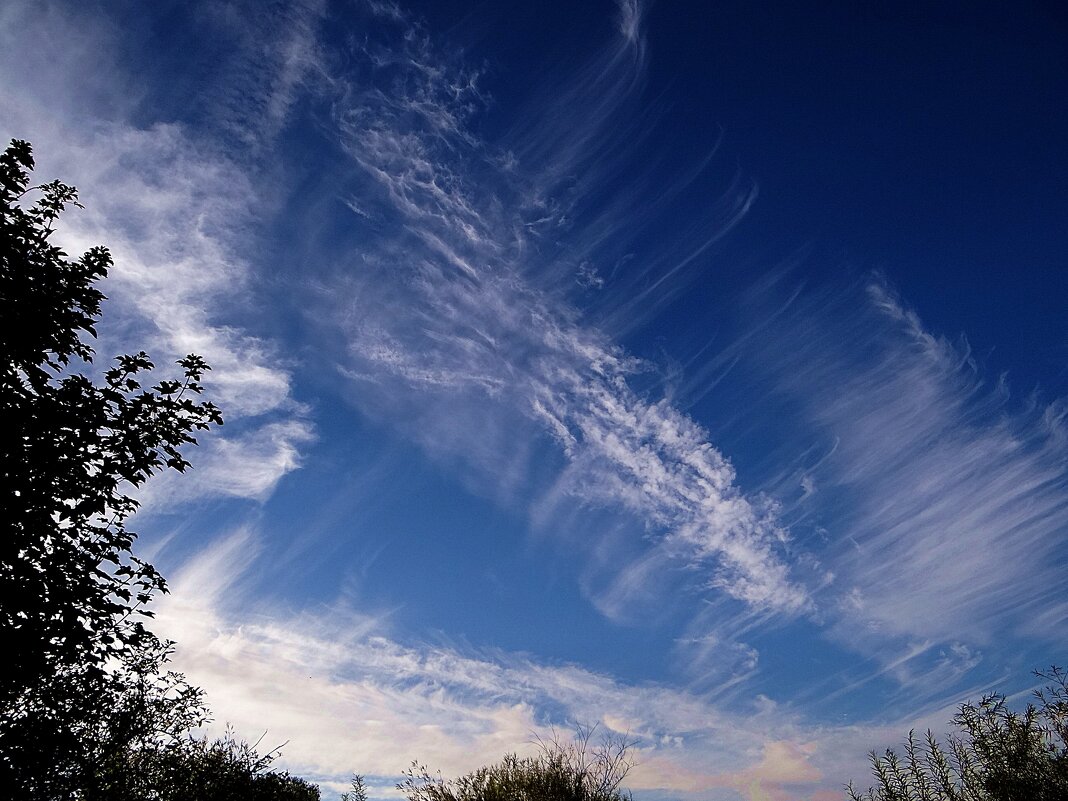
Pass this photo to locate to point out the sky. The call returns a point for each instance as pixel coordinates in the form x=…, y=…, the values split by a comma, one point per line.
x=694, y=370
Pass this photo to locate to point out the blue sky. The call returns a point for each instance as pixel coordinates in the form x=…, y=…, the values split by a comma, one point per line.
x=695, y=370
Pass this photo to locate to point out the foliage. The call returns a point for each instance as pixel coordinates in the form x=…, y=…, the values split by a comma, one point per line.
x=576, y=770
x=202, y=770
x=76, y=731
x=87, y=707
x=83, y=673
x=999, y=754
x=358, y=791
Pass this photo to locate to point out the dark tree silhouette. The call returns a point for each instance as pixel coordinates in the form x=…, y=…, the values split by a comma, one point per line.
x=87, y=707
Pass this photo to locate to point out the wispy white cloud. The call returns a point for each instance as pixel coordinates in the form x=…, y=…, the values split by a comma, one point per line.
x=942, y=499
x=965, y=499
x=346, y=695
x=939, y=502
x=630, y=20
x=176, y=219
x=463, y=305
x=271, y=59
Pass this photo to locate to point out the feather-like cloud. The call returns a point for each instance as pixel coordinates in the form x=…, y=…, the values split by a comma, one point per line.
x=462, y=305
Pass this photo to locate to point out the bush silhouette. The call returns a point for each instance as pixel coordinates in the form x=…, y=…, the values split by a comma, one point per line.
x=578, y=770
x=997, y=754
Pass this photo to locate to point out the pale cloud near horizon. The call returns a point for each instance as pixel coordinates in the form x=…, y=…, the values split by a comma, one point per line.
x=344, y=693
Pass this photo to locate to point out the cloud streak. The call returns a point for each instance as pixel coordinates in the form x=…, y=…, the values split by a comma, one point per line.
x=176, y=219
x=941, y=499
x=965, y=497
x=464, y=306
x=345, y=693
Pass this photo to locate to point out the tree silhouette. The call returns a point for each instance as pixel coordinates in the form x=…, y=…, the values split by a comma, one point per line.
x=74, y=594
x=87, y=707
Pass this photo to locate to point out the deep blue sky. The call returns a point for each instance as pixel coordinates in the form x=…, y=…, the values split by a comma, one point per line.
x=694, y=369
x=926, y=142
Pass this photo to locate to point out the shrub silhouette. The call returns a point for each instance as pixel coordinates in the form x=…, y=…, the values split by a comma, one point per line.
x=578, y=770
x=998, y=754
